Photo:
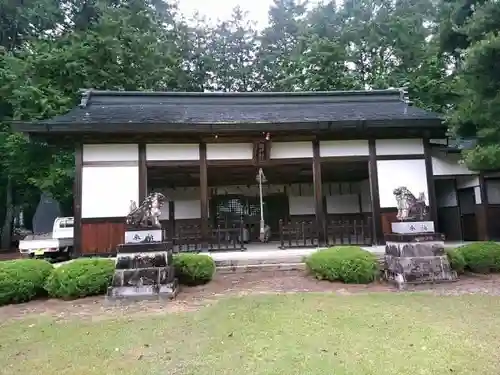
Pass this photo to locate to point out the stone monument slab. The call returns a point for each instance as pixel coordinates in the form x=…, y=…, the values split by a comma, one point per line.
x=405, y=227
x=143, y=235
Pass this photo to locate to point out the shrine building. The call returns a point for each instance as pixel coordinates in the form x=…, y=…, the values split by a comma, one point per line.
x=329, y=160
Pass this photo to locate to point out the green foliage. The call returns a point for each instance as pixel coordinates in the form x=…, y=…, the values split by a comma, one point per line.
x=349, y=264
x=481, y=257
x=194, y=269
x=22, y=280
x=457, y=260
x=80, y=278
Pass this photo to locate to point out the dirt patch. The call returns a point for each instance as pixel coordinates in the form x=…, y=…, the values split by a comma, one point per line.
x=193, y=298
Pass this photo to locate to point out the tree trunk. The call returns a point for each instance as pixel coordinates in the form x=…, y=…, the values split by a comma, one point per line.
x=6, y=239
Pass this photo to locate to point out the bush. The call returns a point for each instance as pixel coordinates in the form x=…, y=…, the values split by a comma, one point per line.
x=349, y=264
x=194, y=269
x=80, y=278
x=456, y=259
x=23, y=279
x=482, y=257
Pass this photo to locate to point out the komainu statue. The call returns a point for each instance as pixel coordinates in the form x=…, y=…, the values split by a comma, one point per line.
x=148, y=213
x=409, y=207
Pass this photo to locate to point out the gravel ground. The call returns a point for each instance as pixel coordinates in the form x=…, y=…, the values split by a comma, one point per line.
x=192, y=298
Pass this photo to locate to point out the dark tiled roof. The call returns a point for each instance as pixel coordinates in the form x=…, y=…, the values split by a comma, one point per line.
x=175, y=108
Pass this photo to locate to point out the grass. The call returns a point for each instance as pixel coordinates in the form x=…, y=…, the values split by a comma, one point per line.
x=282, y=334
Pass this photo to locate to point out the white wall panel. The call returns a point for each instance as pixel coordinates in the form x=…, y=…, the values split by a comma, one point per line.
x=107, y=191
x=172, y=151
x=110, y=152
x=189, y=209
x=343, y=148
x=448, y=164
x=229, y=151
x=301, y=205
x=342, y=204
x=410, y=146
x=396, y=173
x=291, y=150
x=366, y=199
x=446, y=195
x=464, y=182
x=493, y=191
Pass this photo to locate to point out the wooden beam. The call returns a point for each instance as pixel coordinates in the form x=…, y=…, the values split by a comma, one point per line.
x=318, y=194
x=171, y=219
x=378, y=235
x=431, y=185
x=77, y=201
x=143, y=173
x=204, y=196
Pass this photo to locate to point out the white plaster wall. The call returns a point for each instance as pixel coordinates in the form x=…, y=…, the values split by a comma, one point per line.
x=477, y=195
x=172, y=152
x=446, y=195
x=343, y=148
x=409, y=146
x=493, y=191
x=107, y=191
x=229, y=151
x=342, y=204
x=448, y=164
x=291, y=150
x=110, y=152
x=396, y=173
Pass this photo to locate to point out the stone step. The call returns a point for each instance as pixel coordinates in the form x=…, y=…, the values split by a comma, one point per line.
x=259, y=261
x=270, y=267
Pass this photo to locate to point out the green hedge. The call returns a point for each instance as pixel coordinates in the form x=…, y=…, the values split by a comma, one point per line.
x=457, y=260
x=80, y=278
x=349, y=264
x=194, y=269
x=23, y=279
x=481, y=257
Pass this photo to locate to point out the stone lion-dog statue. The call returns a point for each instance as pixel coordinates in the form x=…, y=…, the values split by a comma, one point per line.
x=409, y=207
x=148, y=213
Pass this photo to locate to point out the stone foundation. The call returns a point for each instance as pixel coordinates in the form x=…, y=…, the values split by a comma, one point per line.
x=417, y=258
x=144, y=270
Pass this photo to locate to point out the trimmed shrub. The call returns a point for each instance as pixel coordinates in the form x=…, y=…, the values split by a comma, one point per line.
x=481, y=257
x=456, y=259
x=80, y=278
x=23, y=279
x=349, y=264
x=194, y=269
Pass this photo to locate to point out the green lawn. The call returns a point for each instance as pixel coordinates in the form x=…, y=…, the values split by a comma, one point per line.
x=309, y=334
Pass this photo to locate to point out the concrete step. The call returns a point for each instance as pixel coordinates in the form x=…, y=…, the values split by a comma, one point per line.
x=270, y=267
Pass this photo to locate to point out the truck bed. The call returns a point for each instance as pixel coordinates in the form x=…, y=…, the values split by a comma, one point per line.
x=43, y=241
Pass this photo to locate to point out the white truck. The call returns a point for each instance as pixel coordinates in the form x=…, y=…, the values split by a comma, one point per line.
x=58, y=243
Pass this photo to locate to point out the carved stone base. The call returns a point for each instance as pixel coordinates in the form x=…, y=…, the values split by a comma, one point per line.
x=417, y=259
x=406, y=227
x=144, y=270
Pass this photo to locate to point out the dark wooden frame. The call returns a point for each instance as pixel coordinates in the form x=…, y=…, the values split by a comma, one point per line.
x=378, y=235
x=77, y=200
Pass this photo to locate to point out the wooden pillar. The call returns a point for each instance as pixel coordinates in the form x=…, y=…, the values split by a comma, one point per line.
x=318, y=194
x=171, y=219
x=482, y=211
x=77, y=201
x=431, y=186
x=378, y=235
x=204, y=196
x=143, y=173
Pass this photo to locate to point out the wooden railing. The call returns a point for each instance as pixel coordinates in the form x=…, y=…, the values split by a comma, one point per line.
x=188, y=238
x=349, y=232
x=302, y=234
x=305, y=234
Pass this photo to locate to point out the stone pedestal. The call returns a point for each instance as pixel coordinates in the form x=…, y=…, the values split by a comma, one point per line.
x=144, y=270
x=417, y=258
